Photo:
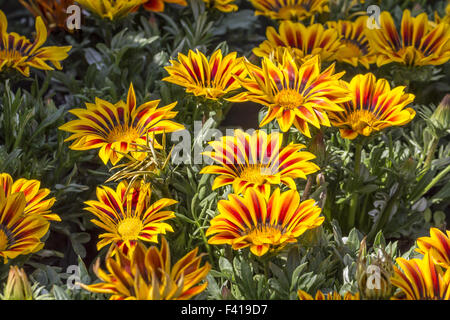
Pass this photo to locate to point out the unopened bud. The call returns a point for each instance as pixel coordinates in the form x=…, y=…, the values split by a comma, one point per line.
x=17, y=286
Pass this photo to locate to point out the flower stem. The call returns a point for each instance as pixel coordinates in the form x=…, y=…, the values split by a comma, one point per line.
x=354, y=199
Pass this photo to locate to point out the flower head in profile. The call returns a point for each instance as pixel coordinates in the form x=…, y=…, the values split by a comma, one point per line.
x=20, y=234
x=437, y=245
x=211, y=78
x=19, y=53
x=158, y=5
x=147, y=274
x=421, y=279
x=294, y=95
x=302, y=295
x=295, y=10
x=53, y=12
x=118, y=128
x=263, y=223
x=257, y=161
x=222, y=5
x=373, y=107
x=356, y=48
x=111, y=9
x=129, y=217
x=301, y=40
x=35, y=202
x=416, y=44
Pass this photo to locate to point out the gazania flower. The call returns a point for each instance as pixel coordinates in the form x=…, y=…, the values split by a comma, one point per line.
x=417, y=43
x=257, y=161
x=19, y=53
x=374, y=106
x=34, y=196
x=117, y=129
x=221, y=5
x=129, y=217
x=302, y=295
x=295, y=95
x=437, y=245
x=301, y=40
x=211, y=78
x=158, y=5
x=111, y=9
x=421, y=279
x=296, y=10
x=356, y=48
x=52, y=12
x=263, y=223
x=148, y=275
x=19, y=234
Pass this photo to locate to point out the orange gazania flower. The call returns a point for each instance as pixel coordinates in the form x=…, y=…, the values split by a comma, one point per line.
x=20, y=234
x=257, y=161
x=356, y=48
x=36, y=204
x=302, y=41
x=295, y=95
x=263, y=223
x=19, y=53
x=211, y=78
x=53, y=12
x=373, y=107
x=421, y=279
x=295, y=10
x=302, y=295
x=128, y=217
x=417, y=43
x=158, y=5
x=118, y=129
x=148, y=275
x=437, y=245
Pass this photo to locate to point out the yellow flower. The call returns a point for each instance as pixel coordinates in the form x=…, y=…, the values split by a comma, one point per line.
x=111, y=9
x=34, y=196
x=117, y=129
x=148, y=275
x=222, y=5
x=263, y=223
x=19, y=234
x=257, y=161
x=302, y=295
x=417, y=43
x=437, y=245
x=373, y=107
x=19, y=53
x=129, y=217
x=211, y=78
x=356, y=48
x=53, y=12
x=296, y=10
x=302, y=41
x=295, y=95
x=421, y=279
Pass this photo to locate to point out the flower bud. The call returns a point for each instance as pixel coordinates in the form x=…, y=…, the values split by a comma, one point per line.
x=373, y=274
x=441, y=116
x=17, y=286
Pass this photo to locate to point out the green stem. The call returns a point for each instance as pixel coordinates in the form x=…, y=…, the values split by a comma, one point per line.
x=354, y=199
x=430, y=153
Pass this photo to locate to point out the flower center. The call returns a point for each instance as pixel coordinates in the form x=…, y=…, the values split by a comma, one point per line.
x=288, y=99
x=255, y=174
x=265, y=234
x=352, y=49
x=10, y=56
x=292, y=12
x=3, y=240
x=130, y=228
x=123, y=133
x=362, y=121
